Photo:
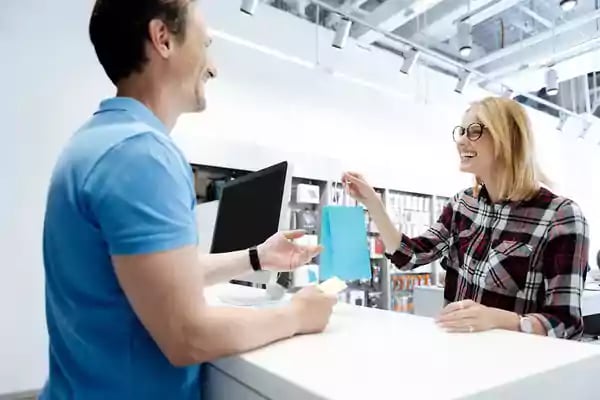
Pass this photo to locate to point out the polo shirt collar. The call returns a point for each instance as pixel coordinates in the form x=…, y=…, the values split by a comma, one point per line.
x=134, y=107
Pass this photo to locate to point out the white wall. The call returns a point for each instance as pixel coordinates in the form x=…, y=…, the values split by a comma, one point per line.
x=267, y=84
x=261, y=104
x=50, y=85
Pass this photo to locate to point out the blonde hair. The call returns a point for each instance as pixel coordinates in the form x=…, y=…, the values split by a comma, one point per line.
x=514, y=148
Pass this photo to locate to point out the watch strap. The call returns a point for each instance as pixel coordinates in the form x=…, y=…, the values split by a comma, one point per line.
x=254, y=259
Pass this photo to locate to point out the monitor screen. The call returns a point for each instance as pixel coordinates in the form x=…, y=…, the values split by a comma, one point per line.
x=251, y=209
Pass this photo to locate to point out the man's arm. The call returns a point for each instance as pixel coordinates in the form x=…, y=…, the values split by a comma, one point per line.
x=219, y=268
x=166, y=292
x=140, y=198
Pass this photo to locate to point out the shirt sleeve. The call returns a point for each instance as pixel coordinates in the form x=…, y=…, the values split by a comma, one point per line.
x=430, y=246
x=141, y=199
x=565, y=260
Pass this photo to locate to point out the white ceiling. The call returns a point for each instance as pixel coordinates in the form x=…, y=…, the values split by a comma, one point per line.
x=509, y=36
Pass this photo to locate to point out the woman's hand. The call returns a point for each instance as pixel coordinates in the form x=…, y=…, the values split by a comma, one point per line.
x=469, y=316
x=359, y=189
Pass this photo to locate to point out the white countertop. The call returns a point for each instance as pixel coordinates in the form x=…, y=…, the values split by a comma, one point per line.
x=373, y=354
x=431, y=299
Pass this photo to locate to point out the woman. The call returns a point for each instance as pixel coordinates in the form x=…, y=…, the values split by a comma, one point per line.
x=513, y=251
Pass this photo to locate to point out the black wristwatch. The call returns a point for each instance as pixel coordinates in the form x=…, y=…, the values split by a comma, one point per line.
x=254, y=260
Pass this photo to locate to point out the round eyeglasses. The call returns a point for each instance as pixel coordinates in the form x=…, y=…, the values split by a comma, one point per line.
x=473, y=132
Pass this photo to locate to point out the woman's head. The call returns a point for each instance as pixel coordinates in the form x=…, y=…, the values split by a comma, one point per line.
x=496, y=145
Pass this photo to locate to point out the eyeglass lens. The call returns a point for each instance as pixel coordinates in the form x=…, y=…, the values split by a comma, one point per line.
x=473, y=131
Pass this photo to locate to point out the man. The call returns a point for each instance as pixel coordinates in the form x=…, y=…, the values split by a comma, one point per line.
x=124, y=281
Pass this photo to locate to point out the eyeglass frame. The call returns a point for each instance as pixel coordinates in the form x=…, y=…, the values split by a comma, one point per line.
x=464, y=130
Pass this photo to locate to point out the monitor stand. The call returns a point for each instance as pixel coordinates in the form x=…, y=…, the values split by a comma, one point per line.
x=274, y=295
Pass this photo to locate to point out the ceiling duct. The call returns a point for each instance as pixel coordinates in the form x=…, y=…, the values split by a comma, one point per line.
x=580, y=95
x=444, y=57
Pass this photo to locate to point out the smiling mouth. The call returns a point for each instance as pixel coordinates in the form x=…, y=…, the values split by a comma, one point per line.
x=467, y=154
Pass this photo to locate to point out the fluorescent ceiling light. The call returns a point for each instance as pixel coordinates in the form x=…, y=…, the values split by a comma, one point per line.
x=370, y=85
x=307, y=64
x=261, y=48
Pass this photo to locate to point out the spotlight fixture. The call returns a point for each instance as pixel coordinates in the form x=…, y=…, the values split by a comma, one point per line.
x=507, y=92
x=342, y=31
x=585, y=129
x=465, y=40
x=410, y=57
x=551, y=82
x=463, y=79
x=562, y=120
x=568, y=5
x=249, y=6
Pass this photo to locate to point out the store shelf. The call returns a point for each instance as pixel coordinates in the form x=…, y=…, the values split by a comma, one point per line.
x=412, y=212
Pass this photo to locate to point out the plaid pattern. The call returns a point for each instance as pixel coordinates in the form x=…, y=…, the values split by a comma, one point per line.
x=528, y=257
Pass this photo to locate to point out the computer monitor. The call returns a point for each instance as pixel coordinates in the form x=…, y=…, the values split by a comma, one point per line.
x=252, y=208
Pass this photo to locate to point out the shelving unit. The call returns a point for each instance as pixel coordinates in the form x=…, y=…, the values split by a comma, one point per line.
x=388, y=288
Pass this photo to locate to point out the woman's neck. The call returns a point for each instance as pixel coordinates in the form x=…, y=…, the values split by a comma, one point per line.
x=492, y=187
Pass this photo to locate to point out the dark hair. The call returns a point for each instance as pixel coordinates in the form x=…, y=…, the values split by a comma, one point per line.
x=119, y=31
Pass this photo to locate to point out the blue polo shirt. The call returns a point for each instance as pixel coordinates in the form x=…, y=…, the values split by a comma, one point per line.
x=120, y=187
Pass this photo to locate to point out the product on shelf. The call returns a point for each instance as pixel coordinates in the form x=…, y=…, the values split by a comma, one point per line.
x=402, y=286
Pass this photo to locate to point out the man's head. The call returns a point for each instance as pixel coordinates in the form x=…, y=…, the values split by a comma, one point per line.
x=163, y=42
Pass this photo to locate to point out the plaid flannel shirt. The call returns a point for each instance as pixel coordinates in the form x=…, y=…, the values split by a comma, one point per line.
x=528, y=257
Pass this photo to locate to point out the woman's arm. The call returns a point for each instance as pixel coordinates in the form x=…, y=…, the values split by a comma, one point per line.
x=565, y=259
x=404, y=252
x=408, y=253
x=390, y=235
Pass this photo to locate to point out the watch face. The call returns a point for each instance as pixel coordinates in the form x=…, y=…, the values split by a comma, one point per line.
x=526, y=325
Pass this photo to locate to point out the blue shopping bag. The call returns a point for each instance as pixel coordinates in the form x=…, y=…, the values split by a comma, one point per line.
x=344, y=238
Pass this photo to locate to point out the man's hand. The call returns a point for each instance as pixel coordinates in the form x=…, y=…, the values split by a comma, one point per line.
x=312, y=309
x=279, y=253
x=469, y=316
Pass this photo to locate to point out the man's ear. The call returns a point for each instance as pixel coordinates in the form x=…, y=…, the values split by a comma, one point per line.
x=160, y=37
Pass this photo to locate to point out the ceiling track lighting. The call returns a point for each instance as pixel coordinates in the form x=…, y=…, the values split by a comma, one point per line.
x=562, y=120
x=465, y=39
x=410, y=58
x=463, y=80
x=568, y=5
x=249, y=6
x=342, y=32
x=439, y=57
x=551, y=82
x=585, y=129
x=507, y=92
